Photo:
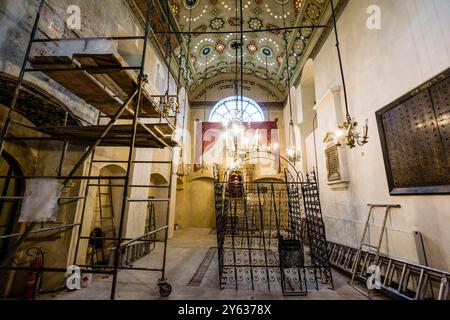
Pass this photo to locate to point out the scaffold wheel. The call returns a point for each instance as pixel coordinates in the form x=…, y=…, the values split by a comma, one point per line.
x=165, y=289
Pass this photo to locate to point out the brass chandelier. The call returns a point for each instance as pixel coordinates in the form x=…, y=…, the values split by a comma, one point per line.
x=347, y=133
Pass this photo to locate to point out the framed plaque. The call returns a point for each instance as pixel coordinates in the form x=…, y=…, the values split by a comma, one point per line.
x=415, y=139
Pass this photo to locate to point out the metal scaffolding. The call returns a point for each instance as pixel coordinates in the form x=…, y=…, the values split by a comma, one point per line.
x=133, y=105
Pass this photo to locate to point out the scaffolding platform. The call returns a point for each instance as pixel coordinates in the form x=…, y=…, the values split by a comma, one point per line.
x=101, y=80
x=147, y=135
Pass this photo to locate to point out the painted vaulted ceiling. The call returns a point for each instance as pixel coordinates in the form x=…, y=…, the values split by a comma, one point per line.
x=212, y=47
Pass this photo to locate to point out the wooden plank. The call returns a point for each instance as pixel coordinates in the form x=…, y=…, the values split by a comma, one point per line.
x=119, y=135
x=121, y=82
x=79, y=82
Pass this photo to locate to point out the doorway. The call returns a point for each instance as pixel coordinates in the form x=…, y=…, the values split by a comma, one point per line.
x=10, y=188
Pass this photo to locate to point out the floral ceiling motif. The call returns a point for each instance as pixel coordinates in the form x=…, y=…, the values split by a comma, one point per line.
x=213, y=46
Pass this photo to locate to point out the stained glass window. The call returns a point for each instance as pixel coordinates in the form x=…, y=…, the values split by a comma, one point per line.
x=233, y=108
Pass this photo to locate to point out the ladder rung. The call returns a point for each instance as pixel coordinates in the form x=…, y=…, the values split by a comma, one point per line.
x=149, y=200
x=153, y=161
x=146, y=186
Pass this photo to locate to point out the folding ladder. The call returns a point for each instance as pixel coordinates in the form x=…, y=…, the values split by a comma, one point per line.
x=362, y=268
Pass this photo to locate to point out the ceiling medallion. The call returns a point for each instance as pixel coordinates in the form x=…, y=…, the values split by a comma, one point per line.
x=220, y=47
x=266, y=51
x=234, y=45
x=216, y=23
x=299, y=45
x=313, y=11
x=252, y=48
x=191, y=4
x=255, y=24
x=206, y=51
x=292, y=61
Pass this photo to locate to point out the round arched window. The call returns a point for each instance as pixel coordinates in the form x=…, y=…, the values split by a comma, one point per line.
x=234, y=109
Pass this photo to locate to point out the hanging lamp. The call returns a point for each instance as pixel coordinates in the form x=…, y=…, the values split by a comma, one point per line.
x=293, y=153
x=347, y=133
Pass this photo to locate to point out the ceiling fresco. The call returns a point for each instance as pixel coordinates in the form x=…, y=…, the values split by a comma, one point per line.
x=211, y=46
x=213, y=50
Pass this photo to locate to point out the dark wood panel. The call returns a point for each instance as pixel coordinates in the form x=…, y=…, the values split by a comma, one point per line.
x=415, y=136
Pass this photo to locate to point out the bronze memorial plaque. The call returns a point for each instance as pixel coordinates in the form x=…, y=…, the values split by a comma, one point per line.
x=415, y=138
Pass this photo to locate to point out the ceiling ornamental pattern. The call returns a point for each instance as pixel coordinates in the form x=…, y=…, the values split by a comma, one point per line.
x=212, y=49
x=264, y=52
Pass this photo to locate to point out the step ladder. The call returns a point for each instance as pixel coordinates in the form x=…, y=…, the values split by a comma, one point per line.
x=105, y=215
x=363, y=256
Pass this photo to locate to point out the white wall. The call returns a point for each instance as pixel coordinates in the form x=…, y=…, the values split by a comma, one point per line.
x=412, y=46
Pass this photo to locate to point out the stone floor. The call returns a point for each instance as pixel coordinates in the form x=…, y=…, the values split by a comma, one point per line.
x=186, y=251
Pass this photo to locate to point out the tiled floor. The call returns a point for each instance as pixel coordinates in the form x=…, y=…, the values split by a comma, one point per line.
x=186, y=251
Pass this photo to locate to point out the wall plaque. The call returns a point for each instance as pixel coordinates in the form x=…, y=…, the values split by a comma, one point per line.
x=415, y=139
x=332, y=159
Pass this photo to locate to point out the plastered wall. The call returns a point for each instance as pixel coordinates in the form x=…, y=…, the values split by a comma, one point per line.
x=412, y=46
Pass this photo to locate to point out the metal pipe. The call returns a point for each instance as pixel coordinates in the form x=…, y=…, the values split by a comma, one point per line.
x=141, y=80
x=89, y=38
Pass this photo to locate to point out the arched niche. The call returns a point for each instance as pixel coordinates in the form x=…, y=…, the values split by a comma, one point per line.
x=306, y=101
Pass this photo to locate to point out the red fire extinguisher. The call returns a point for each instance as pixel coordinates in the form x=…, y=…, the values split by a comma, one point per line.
x=33, y=279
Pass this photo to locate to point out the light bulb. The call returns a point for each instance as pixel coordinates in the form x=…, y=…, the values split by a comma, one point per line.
x=339, y=133
x=290, y=152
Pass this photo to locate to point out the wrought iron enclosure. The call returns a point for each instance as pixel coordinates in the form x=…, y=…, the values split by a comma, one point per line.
x=262, y=232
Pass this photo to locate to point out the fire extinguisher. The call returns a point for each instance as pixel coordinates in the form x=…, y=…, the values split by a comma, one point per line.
x=34, y=276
